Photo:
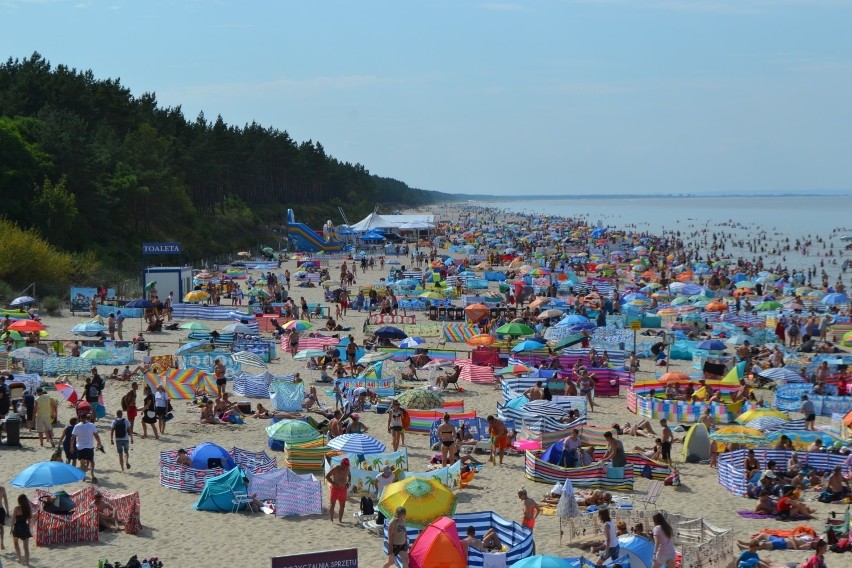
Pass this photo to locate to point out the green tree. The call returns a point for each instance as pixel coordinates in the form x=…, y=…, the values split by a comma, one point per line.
x=56, y=210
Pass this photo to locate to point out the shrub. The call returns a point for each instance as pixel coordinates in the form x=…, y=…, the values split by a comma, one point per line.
x=7, y=293
x=51, y=305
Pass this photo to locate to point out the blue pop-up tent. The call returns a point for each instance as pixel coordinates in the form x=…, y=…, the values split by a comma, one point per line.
x=218, y=492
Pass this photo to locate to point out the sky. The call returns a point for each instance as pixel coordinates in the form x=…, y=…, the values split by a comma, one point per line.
x=562, y=97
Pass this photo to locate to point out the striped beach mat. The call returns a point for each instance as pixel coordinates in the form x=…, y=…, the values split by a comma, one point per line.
x=459, y=331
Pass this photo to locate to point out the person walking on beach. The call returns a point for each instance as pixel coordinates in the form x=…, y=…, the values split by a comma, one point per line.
x=499, y=438
x=161, y=407
x=531, y=510
x=128, y=404
x=667, y=439
x=83, y=437
x=664, y=549
x=338, y=478
x=23, y=519
x=809, y=411
x=397, y=540
x=121, y=434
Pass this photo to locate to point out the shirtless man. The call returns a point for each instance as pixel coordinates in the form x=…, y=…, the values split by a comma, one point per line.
x=447, y=435
x=334, y=429
x=708, y=420
x=531, y=509
x=499, y=438
x=471, y=541
x=535, y=392
x=838, y=485
x=338, y=479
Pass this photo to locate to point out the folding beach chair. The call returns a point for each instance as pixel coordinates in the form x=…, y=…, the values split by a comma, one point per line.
x=651, y=494
x=241, y=498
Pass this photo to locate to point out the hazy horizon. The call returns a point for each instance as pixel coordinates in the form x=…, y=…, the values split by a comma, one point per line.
x=495, y=98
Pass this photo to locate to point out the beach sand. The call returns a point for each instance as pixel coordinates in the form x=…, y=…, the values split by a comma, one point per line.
x=181, y=536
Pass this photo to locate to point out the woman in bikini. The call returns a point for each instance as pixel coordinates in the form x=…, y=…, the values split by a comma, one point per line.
x=219, y=374
x=751, y=465
x=397, y=540
x=447, y=435
x=395, y=424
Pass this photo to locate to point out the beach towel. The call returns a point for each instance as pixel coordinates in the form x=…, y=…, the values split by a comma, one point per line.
x=801, y=530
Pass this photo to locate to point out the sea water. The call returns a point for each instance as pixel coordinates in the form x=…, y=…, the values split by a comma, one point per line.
x=768, y=220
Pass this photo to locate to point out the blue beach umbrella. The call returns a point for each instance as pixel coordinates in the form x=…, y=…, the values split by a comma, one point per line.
x=835, y=299
x=48, y=474
x=527, y=345
x=22, y=301
x=88, y=329
x=542, y=561
x=191, y=347
x=357, y=444
x=712, y=345
x=140, y=303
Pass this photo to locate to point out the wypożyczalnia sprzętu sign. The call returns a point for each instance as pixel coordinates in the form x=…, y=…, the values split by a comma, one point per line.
x=161, y=248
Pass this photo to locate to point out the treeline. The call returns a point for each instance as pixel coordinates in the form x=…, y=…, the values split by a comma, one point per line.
x=94, y=168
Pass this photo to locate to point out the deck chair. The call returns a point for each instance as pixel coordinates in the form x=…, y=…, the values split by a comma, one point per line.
x=454, y=380
x=240, y=498
x=651, y=494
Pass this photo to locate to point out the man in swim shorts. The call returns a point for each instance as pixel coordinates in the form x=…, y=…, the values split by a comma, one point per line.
x=499, y=438
x=531, y=509
x=338, y=479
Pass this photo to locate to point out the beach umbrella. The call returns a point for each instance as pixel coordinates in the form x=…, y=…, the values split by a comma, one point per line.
x=481, y=340
x=515, y=370
x=237, y=328
x=550, y=314
x=293, y=431
x=424, y=500
x=847, y=339
x=573, y=319
x=390, y=332
x=542, y=561
x=756, y=413
x=255, y=292
x=514, y=329
x=667, y=312
x=309, y=354
x=356, y=444
x=48, y=474
x=581, y=327
x=430, y=295
x=191, y=347
x=739, y=435
x=528, y=345
x=374, y=357
x=711, y=345
x=538, y=302
x=420, y=399
x=249, y=358
x=244, y=253
x=268, y=250
x=97, y=355
x=673, y=377
x=716, y=306
x=833, y=299
x=22, y=301
x=150, y=285
x=768, y=305
x=476, y=312
x=410, y=342
x=67, y=392
x=140, y=303
x=196, y=296
x=566, y=341
x=298, y=325
x=194, y=326
x=89, y=329
x=26, y=326
x=27, y=353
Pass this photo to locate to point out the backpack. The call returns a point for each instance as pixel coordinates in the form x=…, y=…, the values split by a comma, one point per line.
x=120, y=428
x=125, y=403
x=94, y=392
x=367, y=506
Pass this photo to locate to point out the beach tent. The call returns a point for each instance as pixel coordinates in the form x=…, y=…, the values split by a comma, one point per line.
x=638, y=549
x=218, y=492
x=697, y=442
x=438, y=546
x=207, y=455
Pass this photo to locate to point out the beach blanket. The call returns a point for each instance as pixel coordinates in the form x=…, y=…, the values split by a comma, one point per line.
x=801, y=530
x=459, y=331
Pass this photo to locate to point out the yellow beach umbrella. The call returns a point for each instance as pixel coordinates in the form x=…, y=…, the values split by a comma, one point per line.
x=196, y=296
x=424, y=500
x=739, y=435
x=756, y=413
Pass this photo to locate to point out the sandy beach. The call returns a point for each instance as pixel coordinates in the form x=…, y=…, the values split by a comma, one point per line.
x=181, y=536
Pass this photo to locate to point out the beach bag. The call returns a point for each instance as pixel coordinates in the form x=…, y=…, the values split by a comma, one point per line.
x=647, y=472
x=367, y=506
x=673, y=479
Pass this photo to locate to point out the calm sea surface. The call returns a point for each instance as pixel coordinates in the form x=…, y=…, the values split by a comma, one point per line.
x=763, y=221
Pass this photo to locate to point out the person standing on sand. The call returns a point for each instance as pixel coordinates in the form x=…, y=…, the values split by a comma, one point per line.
x=499, y=438
x=395, y=418
x=397, y=540
x=83, y=437
x=667, y=439
x=338, y=479
x=530, y=510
